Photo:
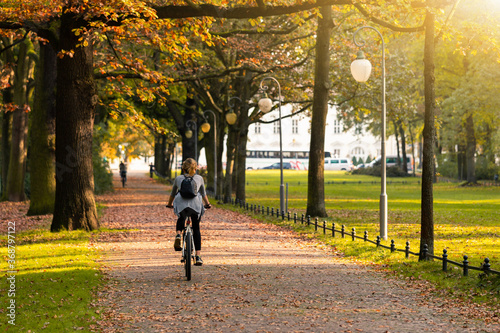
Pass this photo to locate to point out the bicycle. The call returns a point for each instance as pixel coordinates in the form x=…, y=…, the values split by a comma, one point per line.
x=188, y=247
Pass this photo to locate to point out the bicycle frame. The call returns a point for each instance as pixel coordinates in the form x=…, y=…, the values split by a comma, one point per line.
x=187, y=257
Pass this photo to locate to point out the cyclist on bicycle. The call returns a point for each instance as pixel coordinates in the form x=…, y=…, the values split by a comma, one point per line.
x=184, y=207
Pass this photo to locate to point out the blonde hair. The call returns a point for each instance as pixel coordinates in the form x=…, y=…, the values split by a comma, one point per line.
x=189, y=166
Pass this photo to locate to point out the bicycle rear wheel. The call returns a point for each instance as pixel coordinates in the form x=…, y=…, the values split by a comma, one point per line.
x=188, y=249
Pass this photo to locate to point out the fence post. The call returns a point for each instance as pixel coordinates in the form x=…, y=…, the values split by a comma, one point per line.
x=316, y=224
x=407, y=250
x=486, y=266
x=277, y=212
x=365, y=237
x=272, y=211
x=302, y=219
x=324, y=227
x=445, y=260
x=378, y=241
x=251, y=207
x=343, y=231
x=288, y=215
x=353, y=233
x=333, y=229
x=393, y=246
x=283, y=215
x=424, y=251
x=308, y=220
x=294, y=218
x=466, y=266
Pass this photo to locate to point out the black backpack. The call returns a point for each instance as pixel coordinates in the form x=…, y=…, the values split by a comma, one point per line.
x=188, y=188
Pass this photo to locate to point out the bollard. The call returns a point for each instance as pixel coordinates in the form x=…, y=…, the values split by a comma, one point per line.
x=407, y=250
x=393, y=246
x=277, y=212
x=308, y=220
x=343, y=231
x=324, y=227
x=353, y=234
x=267, y=210
x=283, y=215
x=333, y=229
x=316, y=224
x=302, y=219
x=288, y=216
x=378, y=241
x=486, y=266
x=294, y=218
x=425, y=250
x=466, y=266
x=272, y=211
x=445, y=260
x=365, y=238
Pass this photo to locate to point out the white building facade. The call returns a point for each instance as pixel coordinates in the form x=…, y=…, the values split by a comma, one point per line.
x=296, y=136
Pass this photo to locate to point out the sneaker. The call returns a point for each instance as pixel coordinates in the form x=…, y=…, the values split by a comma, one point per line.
x=177, y=243
x=198, y=261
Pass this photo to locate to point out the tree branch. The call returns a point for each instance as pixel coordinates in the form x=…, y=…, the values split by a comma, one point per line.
x=385, y=24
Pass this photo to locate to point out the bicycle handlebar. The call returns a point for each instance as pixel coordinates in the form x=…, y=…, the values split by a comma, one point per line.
x=206, y=206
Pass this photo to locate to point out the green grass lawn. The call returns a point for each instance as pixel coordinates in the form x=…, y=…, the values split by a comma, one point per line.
x=466, y=220
x=56, y=282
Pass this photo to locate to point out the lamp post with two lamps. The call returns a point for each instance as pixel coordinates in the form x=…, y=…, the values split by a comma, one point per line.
x=361, y=69
x=265, y=105
x=205, y=128
x=189, y=135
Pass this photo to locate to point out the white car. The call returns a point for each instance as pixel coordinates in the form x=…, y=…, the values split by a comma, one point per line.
x=338, y=164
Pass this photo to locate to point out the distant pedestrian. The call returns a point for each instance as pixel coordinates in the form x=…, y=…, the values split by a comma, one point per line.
x=151, y=170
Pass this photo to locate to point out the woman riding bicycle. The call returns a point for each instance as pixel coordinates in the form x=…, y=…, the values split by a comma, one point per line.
x=184, y=207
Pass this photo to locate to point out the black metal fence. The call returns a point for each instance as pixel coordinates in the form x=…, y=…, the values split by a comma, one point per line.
x=335, y=231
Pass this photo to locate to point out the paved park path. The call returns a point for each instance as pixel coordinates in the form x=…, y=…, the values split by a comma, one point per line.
x=256, y=278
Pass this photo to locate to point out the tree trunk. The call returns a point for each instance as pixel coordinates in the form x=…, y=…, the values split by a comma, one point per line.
x=230, y=151
x=396, y=134
x=209, y=141
x=471, y=149
x=18, y=148
x=403, y=147
x=316, y=176
x=76, y=98
x=42, y=134
x=427, y=204
x=6, y=139
x=242, y=139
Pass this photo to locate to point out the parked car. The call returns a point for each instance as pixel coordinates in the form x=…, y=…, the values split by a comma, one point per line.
x=338, y=164
x=286, y=165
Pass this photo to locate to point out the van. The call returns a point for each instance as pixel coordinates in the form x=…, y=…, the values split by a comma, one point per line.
x=391, y=161
x=338, y=164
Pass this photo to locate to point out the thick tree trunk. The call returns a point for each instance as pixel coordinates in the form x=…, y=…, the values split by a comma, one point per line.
x=471, y=149
x=42, y=134
x=76, y=99
x=18, y=148
x=316, y=177
x=427, y=203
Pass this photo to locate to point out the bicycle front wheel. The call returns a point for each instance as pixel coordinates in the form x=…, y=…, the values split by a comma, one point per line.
x=188, y=249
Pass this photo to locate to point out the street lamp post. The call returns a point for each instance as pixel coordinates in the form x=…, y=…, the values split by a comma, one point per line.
x=265, y=105
x=360, y=69
x=205, y=127
x=189, y=135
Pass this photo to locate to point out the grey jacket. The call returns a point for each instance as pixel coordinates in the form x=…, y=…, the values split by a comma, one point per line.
x=195, y=203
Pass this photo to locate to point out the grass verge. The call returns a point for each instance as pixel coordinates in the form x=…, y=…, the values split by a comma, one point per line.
x=465, y=218
x=55, y=284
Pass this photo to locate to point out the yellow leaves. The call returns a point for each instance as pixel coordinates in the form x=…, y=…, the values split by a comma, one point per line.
x=64, y=53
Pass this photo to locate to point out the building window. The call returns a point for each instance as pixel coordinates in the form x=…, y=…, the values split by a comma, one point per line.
x=336, y=152
x=295, y=126
x=276, y=129
x=358, y=151
x=257, y=128
x=358, y=130
x=336, y=126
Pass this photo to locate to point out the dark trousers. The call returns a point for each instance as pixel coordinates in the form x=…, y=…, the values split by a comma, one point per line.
x=195, y=225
